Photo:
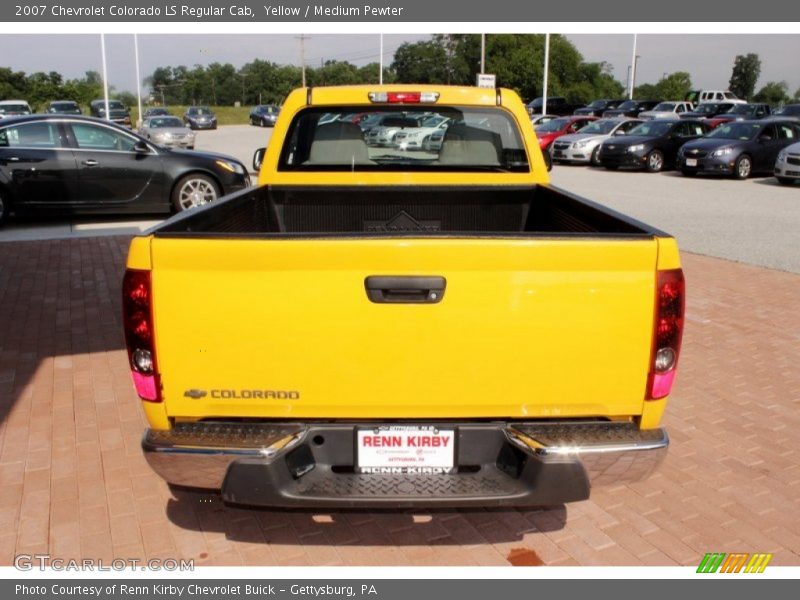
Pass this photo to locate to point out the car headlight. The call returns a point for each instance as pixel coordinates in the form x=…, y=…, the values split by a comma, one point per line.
x=783, y=155
x=580, y=144
x=636, y=148
x=233, y=167
x=722, y=152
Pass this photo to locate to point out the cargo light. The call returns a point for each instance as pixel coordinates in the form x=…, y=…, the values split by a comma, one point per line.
x=404, y=97
x=137, y=318
x=667, y=332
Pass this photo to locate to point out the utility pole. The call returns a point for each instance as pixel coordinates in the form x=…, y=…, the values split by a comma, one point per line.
x=380, y=64
x=303, y=37
x=483, y=53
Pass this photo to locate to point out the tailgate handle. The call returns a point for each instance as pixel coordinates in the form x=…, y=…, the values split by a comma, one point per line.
x=401, y=289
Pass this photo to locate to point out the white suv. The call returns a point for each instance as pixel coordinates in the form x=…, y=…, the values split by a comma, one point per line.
x=12, y=108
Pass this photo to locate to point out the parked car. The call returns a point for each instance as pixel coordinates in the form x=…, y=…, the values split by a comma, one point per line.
x=741, y=112
x=789, y=111
x=167, y=131
x=156, y=111
x=557, y=105
x=740, y=149
x=12, y=108
x=631, y=108
x=419, y=138
x=582, y=147
x=63, y=107
x=200, y=117
x=264, y=115
x=552, y=130
x=652, y=145
x=384, y=132
x=703, y=96
x=72, y=164
x=667, y=110
x=537, y=120
x=708, y=110
x=598, y=107
x=117, y=112
x=787, y=165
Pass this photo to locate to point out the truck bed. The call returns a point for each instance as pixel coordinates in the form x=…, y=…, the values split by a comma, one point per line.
x=413, y=211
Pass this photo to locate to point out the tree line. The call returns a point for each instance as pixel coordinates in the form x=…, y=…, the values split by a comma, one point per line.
x=517, y=61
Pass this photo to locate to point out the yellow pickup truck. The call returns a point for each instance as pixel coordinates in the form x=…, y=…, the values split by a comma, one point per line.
x=403, y=313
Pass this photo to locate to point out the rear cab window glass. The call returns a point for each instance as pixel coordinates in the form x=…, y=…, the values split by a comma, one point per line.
x=406, y=137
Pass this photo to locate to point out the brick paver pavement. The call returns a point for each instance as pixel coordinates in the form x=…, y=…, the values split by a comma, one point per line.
x=74, y=482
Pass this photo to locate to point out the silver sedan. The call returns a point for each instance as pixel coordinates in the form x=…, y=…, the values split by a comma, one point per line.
x=581, y=147
x=167, y=131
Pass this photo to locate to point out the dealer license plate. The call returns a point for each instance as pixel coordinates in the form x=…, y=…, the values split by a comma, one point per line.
x=405, y=449
x=691, y=162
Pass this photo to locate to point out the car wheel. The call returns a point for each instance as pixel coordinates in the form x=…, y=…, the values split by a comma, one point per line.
x=190, y=147
x=743, y=167
x=5, y=207
x=595, y=159
x=781, y=180
x=194, y=190
x=655, y=161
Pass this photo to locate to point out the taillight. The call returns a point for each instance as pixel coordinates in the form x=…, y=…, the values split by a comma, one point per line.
x=667, y=332
x=137, y=316
x=404, y=97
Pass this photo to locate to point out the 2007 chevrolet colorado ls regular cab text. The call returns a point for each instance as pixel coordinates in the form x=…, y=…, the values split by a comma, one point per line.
x=418, y=323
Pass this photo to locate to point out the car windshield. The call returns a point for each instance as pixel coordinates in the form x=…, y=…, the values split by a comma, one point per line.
x=434, y=121
x=651, y=129
x=63, y=105
x=476, y=139
x=13, y=108
x=554, y=125
x=707, y=109
x=268, y=109
x=199, y=110
x=597, y=104
x=115, y=105
x=602, y=127
x=742, y=109
x=165, y=122
x=158, y=111
x=793, y=110
x=665, y=106
x=628, y=105
x=736, y=131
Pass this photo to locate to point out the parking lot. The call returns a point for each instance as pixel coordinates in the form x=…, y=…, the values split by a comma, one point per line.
x=75, y=483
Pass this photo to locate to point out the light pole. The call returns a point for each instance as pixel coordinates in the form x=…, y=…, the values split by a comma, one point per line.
x=634, y=58
x=105, y=72
x=138, y=78
x=380, y=64
x=303, y=37
x=546, y=69
x=483, y=53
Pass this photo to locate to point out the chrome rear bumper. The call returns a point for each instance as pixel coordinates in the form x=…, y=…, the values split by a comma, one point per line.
x=311, y=464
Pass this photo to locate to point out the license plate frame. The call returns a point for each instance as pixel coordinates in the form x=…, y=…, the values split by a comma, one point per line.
x=394, y=455
x=691, y=162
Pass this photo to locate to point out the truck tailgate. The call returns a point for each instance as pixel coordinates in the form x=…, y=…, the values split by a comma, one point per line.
x=284, y=328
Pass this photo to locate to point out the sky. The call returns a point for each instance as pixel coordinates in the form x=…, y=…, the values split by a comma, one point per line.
x=708, y=57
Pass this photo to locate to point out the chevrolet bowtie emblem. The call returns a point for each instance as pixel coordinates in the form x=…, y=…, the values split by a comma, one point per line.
x=196, y=394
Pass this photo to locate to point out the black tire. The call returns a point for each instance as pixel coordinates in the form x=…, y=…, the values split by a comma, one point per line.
x=743, y=167
x=785, y=180
x=654, y=162
x=594, y=160
x=5, y=208
x=194, y=190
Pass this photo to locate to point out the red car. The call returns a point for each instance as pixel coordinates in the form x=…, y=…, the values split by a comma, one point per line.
x=552, y=130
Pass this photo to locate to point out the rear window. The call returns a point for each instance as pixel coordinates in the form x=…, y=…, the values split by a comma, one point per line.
x=404, y=138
